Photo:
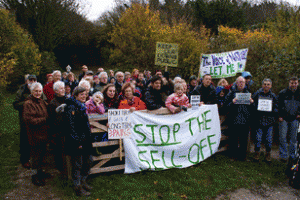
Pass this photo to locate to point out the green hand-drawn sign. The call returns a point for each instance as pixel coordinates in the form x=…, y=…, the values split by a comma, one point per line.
x=166, y=54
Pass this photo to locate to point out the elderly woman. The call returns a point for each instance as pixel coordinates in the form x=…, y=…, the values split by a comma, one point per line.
x=55, y=122
x=35, y=117
x=130, y=101
x=48, y=89
x=78, y=139
x=111, y=100
x=87, y=85
x=71, y=80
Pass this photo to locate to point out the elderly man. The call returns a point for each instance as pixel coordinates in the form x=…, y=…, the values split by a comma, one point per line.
x=153, y=97
x=99, y=70
x=103, y=78
x=119, y=81
x=206, y=91
x=289, y=114
x=238, y=117
x=266, y=110
x=22, y=94
x=48, y=89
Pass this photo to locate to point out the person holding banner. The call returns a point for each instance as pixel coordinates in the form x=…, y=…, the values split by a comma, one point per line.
x=206, y=90
x=266, y=114
x=289, y=114
x=239, y=102
x=178, y=101
x=153, y=96
x=130, y=101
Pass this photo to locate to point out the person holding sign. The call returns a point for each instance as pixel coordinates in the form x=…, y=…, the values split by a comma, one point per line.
x=130, y=101
x=178, y=101
x=265, y=102
x=239, y=117
x=289, y=114
x=206, y=90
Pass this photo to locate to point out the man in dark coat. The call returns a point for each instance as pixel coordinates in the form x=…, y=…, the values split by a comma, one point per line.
x=206, y=91
x=22, y=94
x=289, y=114
x=239, y=117
x=119, y=82
x=264, y=117
x=153, y=97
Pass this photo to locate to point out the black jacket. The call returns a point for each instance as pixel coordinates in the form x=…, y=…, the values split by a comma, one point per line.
x=207, y=94
x=289, y=104
x=153, y=99
x=265, y=118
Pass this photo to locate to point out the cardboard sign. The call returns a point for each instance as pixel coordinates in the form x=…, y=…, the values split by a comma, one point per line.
x=166, y=54
x=119, y=123
x=265, y=104
x=195, y=101
x=243, y=98
x=222, y=65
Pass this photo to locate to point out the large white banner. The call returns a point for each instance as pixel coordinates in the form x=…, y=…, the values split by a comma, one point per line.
x=172, y=141
x=222, y=65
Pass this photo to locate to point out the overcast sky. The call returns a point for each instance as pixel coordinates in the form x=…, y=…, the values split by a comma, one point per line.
x=94, y=8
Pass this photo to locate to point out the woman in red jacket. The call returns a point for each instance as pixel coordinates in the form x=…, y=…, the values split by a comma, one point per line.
x=130, y=101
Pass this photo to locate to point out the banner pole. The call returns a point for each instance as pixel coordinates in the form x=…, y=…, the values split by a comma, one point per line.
x=120, y=145
x=200, y=66
x=166, y=68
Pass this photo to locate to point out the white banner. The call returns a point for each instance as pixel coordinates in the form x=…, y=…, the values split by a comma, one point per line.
x=172, y=141
x=222, y=65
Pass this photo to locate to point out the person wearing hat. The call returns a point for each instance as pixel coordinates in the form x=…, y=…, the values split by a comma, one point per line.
x=248, y=77
x=84, y=70
x=22, y=94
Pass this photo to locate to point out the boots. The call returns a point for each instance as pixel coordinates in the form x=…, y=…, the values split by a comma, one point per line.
x=81, y=192
x=86, y=186
x=268, y=156
x=256, y=155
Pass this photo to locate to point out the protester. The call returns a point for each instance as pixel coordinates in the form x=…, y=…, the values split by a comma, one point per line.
x=119, y=82
x=35, y=118
x=49, y=78
x=111, y=75
x=130, y=101
x=78, y=140
x=223, y=82
x=135, y=74
x=148, y=77
x=153, y=97
x=55, y=121
x=111, y=100
x=96, y=84
x=141, y=83
x=249, y=82
x=89, y=75
x=192, y=84
x=289, y=114
x=206, y=91
x=22, y=94
x=112, y=80
x=221, y=93
x=239, y=117
x=48, y=89
x=177, y=79
x=265, y=119
x=68, y=90
x=95, y=104
x=64, y=76
x=103, y=80
x=127, y=77
x=178, y=100
x=68, y=68
x=87, y=85
x=71, y=80
x=82, y=74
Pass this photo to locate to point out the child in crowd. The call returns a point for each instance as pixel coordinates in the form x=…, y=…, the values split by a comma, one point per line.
x=177, y=99
x=95, y=104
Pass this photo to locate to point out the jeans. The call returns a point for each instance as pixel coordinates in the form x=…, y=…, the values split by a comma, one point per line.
x=285, y=128
x=268, y=132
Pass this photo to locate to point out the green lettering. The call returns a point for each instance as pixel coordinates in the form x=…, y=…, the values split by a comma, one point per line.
x=220, y=67
x=190, y=124
x=138, y=132
x=163, y=158
x=175, y=130
x=141, y=152
x=210, y=144
x=154, y=160
x=206, y=120
x=199, y=124
x=189, y=155
x=172, y=159
x=201, y=148
x=161, y=139
x=152, y=130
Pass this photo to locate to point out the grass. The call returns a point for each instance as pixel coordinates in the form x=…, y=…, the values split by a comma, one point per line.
x=214, y=176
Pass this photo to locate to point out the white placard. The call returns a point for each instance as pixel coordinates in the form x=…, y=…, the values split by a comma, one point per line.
x=119, y=123
x=243, y=98
x=195, y=101
x=264, y=104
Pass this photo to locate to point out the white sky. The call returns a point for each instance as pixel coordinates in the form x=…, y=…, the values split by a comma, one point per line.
x=94, y=8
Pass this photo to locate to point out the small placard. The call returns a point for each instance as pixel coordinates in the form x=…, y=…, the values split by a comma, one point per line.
x=119, y=123
x=265, y=104
x=243, y=98
x=195, y=101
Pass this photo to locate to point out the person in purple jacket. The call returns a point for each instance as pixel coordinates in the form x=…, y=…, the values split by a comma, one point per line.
x=95, y=104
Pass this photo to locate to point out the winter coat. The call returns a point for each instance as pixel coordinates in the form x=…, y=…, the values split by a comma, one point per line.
x=289, y=104
x=109, y=103
x=91, y=107
x=76, y=126
x=265, y=118
x=49, y=92
x=174, y=99
x=207, y=94
x=137, y=103
x=153, y=99
x=238, y=114
x=118, y=87
x=35, y=117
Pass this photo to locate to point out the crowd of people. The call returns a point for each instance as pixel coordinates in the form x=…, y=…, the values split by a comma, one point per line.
x=55, y=116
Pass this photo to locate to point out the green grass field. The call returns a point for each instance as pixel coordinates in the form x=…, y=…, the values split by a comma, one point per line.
x=216, y=175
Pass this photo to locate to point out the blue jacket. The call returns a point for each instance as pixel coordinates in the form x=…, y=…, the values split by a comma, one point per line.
x=238, y=114
x=265, y=118
x=289, y=104
x=77, y=128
